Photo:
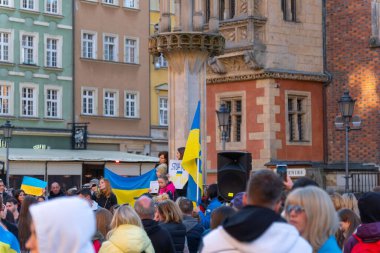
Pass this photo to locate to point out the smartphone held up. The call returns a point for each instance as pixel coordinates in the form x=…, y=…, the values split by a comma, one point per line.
x=282, y=170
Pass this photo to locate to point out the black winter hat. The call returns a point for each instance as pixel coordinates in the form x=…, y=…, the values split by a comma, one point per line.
x=369, y=207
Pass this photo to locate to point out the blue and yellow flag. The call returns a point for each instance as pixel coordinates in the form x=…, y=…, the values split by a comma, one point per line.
x=127, y=189
x=8, y=242
x=33, y=186
x=191, y=159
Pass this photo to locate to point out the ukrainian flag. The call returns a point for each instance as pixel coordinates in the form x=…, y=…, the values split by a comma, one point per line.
x=191, y=159
x=127, y=189
x=8, y=242
x=33, y=186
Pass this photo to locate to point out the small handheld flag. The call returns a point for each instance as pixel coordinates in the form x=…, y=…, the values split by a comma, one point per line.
x=33, y=186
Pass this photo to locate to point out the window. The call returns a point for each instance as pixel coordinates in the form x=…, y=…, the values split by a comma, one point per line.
x=289, y=10
x=6, y=45
x=6, y=98
x=53, y=101
x=226, y=9
x=113, y=2
x=53, y=51
x=131, y=105
x=163, y=108
x=53, y=6
x=29, y=48
x=131, y=50
x=298, y=108
x=110, y=103
x=29, y=100
x=29, y=5
x=6, y=3
x=160, y=62
x=110, y=48
x=131, y=4
x=235, y=120
x=89, y=101
x=89, y=45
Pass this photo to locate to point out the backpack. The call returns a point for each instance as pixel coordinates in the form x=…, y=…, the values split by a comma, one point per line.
x=366, y=247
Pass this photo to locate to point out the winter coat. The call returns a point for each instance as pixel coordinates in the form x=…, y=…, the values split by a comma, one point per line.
x=367, y=232
x=194, y=231
x=161, y=239
x=255, y=230
x=127, y=238
x=178, y=234
x=168, y=189
x=105, y=202
x=330, y=246
x=52, y=195
x=205, y=217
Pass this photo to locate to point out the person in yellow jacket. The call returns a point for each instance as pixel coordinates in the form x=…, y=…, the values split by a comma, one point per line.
x=127, y=234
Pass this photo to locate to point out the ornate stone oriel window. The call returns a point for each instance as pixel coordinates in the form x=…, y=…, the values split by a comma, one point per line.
x=289, y=10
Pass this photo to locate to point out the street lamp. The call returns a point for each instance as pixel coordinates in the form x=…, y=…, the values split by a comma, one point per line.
x=223, y=120
x=7, y=134
x=347, y=122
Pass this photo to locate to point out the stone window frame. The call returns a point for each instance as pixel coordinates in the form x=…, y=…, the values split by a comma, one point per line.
x=35, y=46
x=116, y=103
x=34, y=99
x=94, y=102
x=115, y=47
x=35, y=5
x=10, y=33
x=58, y=100
x=231, y=145
x=135, y=3
x=59, y=40
x=59, y=7
x=3, y=3
x=163, y=109
x=136, y=49
x=307, y=120
x=287, y=10
x=136, y=100
x=10, y=97
x=94, y=44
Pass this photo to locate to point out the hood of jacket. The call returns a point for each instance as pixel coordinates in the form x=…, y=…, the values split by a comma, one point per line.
x=128, y=238
x=189, y=222
x=64, y=225
x=150, y=226
x=369, y=231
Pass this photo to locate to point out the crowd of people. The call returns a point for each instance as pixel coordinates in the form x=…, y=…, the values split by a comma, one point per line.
x=271, y=216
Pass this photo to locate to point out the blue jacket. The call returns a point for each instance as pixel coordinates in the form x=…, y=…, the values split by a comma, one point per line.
x=330, y=246
x=205, y=217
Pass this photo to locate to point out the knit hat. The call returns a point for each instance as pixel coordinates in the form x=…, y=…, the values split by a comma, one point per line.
x=369, y=207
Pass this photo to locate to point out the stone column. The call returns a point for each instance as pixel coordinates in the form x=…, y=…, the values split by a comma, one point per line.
x=177, y=16
x=213, y=23
x=227, y=7
x=164, y=25
x=187, y=15
x=198, y=19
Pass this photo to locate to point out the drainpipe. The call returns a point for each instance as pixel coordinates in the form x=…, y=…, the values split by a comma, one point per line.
x=73, y=60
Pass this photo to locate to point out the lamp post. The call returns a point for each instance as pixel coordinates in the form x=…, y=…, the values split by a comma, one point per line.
x=223, y=120
x=7, y=133
x=346, y=107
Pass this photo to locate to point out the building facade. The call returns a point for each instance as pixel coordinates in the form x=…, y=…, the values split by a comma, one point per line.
x=271, y=78
x=112, y=74
x=353, y=49
x=36, y=71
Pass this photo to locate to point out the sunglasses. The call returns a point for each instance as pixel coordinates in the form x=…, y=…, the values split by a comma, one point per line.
x=296, y=208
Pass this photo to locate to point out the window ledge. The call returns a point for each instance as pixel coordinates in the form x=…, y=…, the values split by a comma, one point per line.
x=111, y=5
x=112, y=62
x=53, y=69
x=6, y=63
x=7, y=116
x=108, y=117
x=298, y=143
x=34, y=12
x=53, y=119
x=8, y=8
x=31, y=118
x=52, y=15
x=131, y=9
x=29, y=66
x=90, y=1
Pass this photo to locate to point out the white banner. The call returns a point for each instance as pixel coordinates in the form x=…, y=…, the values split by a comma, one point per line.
x=177, y=174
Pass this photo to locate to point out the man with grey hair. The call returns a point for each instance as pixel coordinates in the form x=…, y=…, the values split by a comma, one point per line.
x=160, y=237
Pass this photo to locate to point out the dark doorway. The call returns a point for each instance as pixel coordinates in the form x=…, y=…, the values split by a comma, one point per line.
x=90, y=171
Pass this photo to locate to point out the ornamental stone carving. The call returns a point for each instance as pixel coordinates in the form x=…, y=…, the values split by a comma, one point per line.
x=216, y=66
x=254, y=59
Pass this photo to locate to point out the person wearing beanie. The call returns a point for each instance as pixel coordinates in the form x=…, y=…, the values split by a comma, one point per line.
x=369, y=230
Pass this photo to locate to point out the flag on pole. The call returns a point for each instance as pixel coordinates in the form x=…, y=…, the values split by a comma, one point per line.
x=191, y=159
x=127, y=189
x=33, y=186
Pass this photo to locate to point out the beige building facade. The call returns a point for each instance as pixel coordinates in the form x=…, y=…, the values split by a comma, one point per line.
x=112, y=74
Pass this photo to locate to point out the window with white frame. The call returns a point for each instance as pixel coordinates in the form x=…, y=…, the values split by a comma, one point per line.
x=6, y=98
x=110, y=103
x=53, y=6
x=89, y=45
x=131, y=104
x=110, y=47
x=53, y=51
x=131, y=4
x=160, y=62
x=53, y=101
x=7, y=3
x=29, y=5
x=131, y=50
x=298, y=105
x=235, y=119
x=29, y=100
x=29, y=48
x=89, y=101
x=113, y=2
x=163, y=110
x=6, y=45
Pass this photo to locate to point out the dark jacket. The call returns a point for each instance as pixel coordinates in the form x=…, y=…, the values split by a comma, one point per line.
x=194, y=231
x=369, y=232
x=5, y=196
x=161, y=240
x=105, y=202
x=11, y=227
x=59, y=194
x=178, y=234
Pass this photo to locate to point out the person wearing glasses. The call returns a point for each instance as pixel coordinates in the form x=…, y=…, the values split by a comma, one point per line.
x=258, y=226
x=311, y=211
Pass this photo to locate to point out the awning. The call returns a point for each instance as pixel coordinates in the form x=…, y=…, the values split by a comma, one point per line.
x=23, y=154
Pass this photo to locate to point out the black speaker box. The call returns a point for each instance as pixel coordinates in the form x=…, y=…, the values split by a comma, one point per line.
x=233, y=172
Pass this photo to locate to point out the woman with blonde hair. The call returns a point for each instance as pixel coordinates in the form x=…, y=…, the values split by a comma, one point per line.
x=170, y=218
x=312, y=212
x=351, y=202
x=127, y=233
x=106, y=198
x=337, y=201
